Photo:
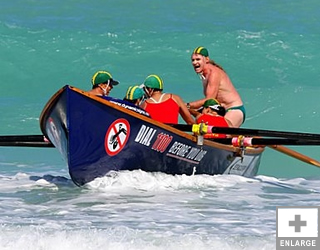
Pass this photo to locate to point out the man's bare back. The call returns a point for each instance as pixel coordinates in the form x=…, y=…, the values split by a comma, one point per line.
x=218, y=85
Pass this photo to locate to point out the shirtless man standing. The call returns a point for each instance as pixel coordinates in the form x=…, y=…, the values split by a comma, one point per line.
x=217, y=85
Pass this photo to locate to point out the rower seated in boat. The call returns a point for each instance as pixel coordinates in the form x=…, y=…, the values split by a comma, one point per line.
x=164, y=107
x=102, y=83
x=211, y=113
x=134, y=97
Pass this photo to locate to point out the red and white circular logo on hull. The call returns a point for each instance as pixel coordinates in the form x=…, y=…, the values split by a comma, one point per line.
x=117, y=136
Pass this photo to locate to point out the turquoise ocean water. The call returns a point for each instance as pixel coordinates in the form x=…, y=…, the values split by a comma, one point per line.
x=270, y=50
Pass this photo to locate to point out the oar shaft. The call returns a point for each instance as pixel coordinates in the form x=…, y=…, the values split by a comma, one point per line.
x=21, y=138
x=249, y=141
x=249, y=132
x=259, y=132
x=296, y=155
x=27, y=144
x=24, y=141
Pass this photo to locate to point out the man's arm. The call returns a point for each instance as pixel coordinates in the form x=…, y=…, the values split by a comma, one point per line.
x=197, y=104
x=210, y=90
x=183, y=110
x=194, y=112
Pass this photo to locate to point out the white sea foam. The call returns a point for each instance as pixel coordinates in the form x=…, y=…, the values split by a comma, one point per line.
x=122, y=238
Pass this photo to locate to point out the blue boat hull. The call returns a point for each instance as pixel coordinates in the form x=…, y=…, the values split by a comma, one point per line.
x=96, y=136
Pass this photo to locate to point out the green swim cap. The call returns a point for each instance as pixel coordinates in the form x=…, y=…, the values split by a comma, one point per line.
x=134, y=92
x=201, y=50
x=153, y=82
x=210, y=102
x=103, y=77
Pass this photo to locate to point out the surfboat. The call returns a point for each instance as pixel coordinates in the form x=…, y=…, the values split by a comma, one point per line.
x=96, y=135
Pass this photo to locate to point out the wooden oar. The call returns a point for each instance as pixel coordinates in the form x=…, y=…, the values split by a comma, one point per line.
x=244, y=131
x=271, y=143
x=24, y=141
x=295, y=154
x=311, y=138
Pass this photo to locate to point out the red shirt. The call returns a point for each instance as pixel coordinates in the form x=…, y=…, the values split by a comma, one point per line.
x=166, y=112
x=213, y=120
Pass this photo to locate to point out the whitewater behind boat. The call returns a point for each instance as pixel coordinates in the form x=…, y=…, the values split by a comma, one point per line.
x=95, y=136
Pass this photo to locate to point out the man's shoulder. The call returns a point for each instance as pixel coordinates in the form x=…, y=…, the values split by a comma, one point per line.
x=215, y=71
